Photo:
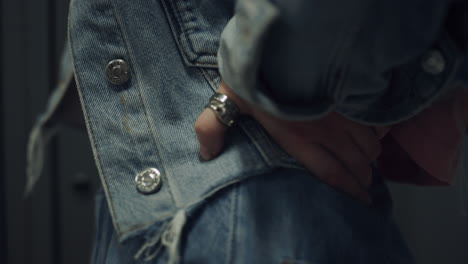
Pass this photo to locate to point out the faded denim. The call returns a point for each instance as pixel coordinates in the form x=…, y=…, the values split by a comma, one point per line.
x=253, y=204
x=284, y=217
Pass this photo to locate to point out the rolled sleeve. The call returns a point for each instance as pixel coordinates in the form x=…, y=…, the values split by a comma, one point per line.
x=240, y=57
x=301, y=59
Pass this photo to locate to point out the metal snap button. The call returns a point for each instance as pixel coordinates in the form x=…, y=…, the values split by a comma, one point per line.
x=433, y=62
x=148, y=181
x=117, y=72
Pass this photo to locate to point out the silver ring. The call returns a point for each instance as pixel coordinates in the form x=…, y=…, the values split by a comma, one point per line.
x=225, y=109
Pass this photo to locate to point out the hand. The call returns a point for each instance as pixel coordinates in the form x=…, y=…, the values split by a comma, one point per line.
x=333, y=148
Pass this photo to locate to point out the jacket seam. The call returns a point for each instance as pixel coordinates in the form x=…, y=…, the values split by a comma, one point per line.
x=178, y=32
x=91, y=136
x=232, y=231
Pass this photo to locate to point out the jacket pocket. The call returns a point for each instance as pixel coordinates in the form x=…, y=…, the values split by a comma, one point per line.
x=197, y=27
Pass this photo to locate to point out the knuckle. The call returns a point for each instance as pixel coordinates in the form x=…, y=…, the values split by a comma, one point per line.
x=209, y=131
x=203, y=129
x=199, y=128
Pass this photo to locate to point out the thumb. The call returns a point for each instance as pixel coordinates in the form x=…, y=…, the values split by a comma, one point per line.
x=210, y=133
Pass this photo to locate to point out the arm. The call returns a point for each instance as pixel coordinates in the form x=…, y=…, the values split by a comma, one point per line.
x=302, y=59
x=359, y=61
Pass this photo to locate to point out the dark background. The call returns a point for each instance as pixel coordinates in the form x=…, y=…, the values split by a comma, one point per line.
x=55, y=224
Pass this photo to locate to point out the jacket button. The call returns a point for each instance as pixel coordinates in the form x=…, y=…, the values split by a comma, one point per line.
x=148, y=181
x=433, y=62
x=117, y=72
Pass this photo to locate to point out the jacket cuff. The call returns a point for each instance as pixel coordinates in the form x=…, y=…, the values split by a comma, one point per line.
x=239, y=57
x=412, y=87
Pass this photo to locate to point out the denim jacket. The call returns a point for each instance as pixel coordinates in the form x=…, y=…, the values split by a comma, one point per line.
x=170, y=48
x=172, y=51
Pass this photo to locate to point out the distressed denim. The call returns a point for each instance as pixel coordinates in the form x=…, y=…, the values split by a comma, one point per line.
x=284, y=216
x=253, y=204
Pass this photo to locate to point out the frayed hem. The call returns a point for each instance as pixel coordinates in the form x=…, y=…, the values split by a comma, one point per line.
x=168, y=237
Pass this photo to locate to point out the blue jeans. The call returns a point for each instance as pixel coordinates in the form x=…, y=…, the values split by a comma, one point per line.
x=286, y=216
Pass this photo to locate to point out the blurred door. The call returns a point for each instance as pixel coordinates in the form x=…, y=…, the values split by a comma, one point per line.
x=55, y=224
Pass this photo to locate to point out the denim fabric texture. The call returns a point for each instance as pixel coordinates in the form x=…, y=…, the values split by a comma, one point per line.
x=253, y=204
x=284, y=217
x=148, y=122
x=301, y=59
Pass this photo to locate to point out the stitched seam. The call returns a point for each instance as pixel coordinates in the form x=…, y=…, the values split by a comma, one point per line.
x=175, y=33
x=186, y=32
x=180, y=33
x=91, y=136
x=211, y=81
x=231, y=242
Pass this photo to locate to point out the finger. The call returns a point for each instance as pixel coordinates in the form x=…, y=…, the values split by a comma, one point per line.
x=351, y=157
x=367, y=138
x=318, y=160
x=381, y=131
x=367, y=141
x=244, y=107
x=210, y=133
